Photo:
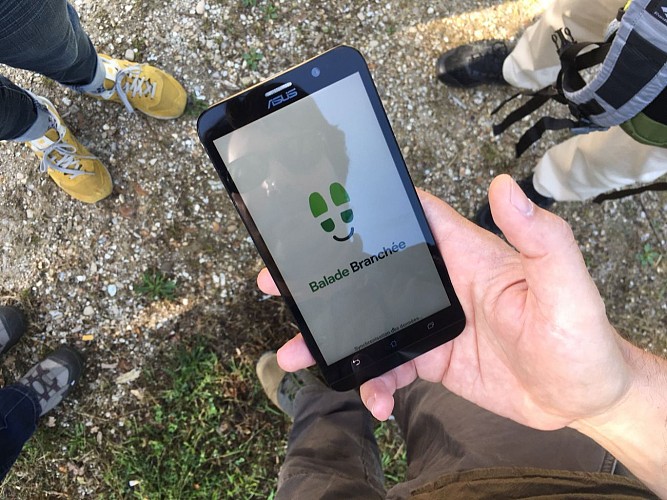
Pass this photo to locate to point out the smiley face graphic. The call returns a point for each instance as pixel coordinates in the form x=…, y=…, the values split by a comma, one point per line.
x=319, y=208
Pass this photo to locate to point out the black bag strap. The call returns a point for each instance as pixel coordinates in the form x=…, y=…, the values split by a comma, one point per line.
x=622, y=193
x=572, y=61
x=536, y=101
x=534, y=133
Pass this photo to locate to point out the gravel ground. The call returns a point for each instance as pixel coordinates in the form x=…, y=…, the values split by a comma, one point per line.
x=75, y=267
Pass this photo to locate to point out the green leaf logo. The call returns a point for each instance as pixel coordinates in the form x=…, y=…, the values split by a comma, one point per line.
x=320, y=209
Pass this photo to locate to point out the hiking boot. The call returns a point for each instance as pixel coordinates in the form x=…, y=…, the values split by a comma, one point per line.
x=12, y=327
x=73, y=168
x=483, y=217
x=473, y=64
x=54, y=377
x=143, y=87
x=280, y=386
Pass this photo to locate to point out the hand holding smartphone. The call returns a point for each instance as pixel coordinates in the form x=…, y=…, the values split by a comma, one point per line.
x=312, y=166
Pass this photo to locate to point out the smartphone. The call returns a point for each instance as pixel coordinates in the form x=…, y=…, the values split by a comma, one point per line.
x=314, y=170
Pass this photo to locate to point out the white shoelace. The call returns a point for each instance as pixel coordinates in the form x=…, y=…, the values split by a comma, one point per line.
x=69, y=162
x=134, y=86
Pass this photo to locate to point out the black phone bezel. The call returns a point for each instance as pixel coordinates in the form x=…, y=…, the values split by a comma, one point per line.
x=251, y=105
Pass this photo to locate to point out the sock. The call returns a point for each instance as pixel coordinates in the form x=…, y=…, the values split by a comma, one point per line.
x=44, y=122
x=96, y=86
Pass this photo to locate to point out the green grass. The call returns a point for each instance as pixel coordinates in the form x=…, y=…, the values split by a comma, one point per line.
x=204, y=436
x=393, y=454
x=156, y=286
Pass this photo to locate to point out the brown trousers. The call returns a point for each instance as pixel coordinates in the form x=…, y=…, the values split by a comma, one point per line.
x=332, y=452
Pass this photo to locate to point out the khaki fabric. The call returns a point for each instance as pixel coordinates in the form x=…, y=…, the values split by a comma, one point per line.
x=586, y=165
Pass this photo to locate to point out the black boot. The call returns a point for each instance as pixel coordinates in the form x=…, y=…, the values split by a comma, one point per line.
x=473, y=64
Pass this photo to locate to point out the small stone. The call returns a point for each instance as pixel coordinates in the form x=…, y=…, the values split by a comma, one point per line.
x=66, y=101
x=88, y=311
x=201, y=7
x=111, y=290
x=129, y=55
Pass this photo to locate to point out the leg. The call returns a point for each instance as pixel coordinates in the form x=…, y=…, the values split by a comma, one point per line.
x=46, y=37
x=39, y=391
x=49, y=39
x=534, y=63
x=27, y=118
x=20, y=118
x=332, y=452
x=445, y=433
x=587, y=165
x=19, y=412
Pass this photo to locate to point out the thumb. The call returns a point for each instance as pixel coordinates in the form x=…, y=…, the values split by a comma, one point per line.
x=552, y=262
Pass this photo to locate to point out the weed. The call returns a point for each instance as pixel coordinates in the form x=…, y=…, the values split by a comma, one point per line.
x=252, y=58
x=249, y=3
x=270, y=11
x=648, y=256
x=155, y=286
x=195, y=106
x=140, y=46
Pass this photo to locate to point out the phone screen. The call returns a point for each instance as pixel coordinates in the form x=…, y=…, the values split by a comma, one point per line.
x=325, y=193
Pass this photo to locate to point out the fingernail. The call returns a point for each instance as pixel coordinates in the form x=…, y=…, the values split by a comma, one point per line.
x=520, y=201
x=370, y=404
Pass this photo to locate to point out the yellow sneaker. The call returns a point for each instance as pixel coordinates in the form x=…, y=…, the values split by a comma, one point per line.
x=68, y=163
x=142, y=87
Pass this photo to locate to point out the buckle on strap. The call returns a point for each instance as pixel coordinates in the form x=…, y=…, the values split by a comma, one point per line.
x=562, y=38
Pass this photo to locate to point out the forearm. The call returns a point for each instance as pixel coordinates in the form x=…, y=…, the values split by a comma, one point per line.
x=635, y=429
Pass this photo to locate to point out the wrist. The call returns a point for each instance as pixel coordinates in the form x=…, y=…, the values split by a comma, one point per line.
x=633, y=428
x=628, y=389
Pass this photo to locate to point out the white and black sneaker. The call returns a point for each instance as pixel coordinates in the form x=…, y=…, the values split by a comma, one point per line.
x=54, y=377
x=12, y=327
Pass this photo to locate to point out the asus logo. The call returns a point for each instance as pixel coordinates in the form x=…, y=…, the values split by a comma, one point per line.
x=281, y=98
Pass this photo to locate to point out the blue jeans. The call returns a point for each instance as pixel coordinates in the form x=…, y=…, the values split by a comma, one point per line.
x=19, y=412
x=45, y=37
